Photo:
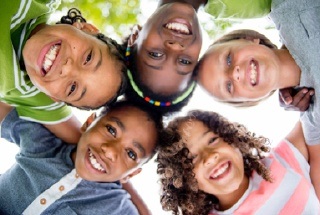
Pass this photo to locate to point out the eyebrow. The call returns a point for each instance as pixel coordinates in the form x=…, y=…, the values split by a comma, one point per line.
x=123, y=128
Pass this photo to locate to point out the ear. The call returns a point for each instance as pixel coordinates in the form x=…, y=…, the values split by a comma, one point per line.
x=86, y=27
x=126, y=179
x=88, y=122
x=134, y=34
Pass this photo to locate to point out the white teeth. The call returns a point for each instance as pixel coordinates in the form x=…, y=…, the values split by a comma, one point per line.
x=50, y=57
x=182, y=28
x=220, y=171
x=253, y=73
x=95, y=163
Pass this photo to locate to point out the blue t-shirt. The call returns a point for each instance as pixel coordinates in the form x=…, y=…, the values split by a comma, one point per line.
x=44, y=181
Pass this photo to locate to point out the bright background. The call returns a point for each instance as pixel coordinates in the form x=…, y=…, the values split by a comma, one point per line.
x=267, y=119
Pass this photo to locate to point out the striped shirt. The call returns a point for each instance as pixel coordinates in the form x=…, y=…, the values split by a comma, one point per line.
x=17, y=20
x=291, y=191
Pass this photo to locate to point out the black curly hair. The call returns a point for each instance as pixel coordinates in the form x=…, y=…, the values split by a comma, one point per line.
x=116, y=52
x=180, y=192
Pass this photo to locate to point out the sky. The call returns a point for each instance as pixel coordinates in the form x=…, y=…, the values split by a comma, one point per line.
x=267, y=119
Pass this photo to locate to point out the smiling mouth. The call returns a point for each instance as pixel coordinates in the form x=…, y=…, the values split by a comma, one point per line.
x=95, y=164
x=218, y=173
x=253, y=73
x=179, y=28
x=49, y=58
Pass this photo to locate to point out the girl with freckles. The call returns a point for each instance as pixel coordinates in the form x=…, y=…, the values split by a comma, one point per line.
x=213, y=166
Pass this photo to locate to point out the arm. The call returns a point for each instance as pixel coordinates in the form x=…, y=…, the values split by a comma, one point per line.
x=295, y=100
x=136, y=199
x=4, y=110
x=296, y=137
x=314, y=160
x=69, y=131
x=311, y=153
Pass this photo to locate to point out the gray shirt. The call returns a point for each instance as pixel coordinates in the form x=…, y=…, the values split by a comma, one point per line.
x=44, y=179
x=298, y=22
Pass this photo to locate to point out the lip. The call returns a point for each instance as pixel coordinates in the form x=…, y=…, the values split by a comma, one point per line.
x=223, y=175
x=181, y=21
x=42, y=55
x=89, y=165
x=249, y=72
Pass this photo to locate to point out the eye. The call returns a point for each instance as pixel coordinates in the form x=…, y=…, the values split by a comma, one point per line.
x=229, y=87
x=72, y=88
x=212, y=140
x=184, y=61
x=112, y=130
x=131, y=154
x=88, y=58
x=155, y=55
x=229, y=60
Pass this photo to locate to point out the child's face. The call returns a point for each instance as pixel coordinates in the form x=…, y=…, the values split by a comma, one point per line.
x=115, y=146
x=71, y=66
x=239, y=70
x=168, y=47
x=218, y=166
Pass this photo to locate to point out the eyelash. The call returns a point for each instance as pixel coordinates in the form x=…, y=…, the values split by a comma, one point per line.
x=229, y=86
x=155, y=55
x=184, y=61
x=212, y=140
x=131, y=154
x=229, y=60
x=88, y=58
x=112, y=130
x=72, y=88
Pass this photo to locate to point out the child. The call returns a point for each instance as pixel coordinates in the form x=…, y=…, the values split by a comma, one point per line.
x=214, y=166
x=69, y=63
x=162, y=55
x=51, y=177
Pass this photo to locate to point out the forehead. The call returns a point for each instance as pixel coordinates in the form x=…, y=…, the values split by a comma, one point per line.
x=192, y=131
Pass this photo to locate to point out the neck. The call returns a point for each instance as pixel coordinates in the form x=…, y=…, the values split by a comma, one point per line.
x=195, y=3
x=37, y=28
x=226, y=201
x=289, y=70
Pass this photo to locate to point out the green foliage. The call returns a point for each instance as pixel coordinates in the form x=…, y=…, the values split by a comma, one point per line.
x=113, y=17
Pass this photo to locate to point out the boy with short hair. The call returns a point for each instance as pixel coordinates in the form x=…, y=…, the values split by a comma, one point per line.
x=112, y=149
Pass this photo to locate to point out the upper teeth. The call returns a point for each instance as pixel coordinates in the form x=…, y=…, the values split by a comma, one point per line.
x=50, y=57
x=95, y=163
x=178, y=27
x=253, y=73
x=220, y=171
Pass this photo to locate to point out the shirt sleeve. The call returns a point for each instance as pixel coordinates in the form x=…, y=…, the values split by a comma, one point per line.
x=291, y=157
x=240, y=9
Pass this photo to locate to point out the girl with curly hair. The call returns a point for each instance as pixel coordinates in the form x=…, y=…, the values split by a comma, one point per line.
x=212, y=166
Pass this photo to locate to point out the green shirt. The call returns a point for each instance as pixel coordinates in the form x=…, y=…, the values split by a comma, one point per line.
x=239, y=9
x=17, y=20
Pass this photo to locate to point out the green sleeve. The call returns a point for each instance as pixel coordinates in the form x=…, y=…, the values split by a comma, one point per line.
x=239, y=9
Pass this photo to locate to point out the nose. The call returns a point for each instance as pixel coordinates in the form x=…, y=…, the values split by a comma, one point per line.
x=210, y=158
x=110, y=152
x=66, y=68
x=174, y=45
x=236, y=73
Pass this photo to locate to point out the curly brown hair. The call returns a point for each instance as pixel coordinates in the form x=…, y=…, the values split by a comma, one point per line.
x=180, y=192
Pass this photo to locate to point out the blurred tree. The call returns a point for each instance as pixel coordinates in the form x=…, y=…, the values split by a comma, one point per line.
x=114, y=18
